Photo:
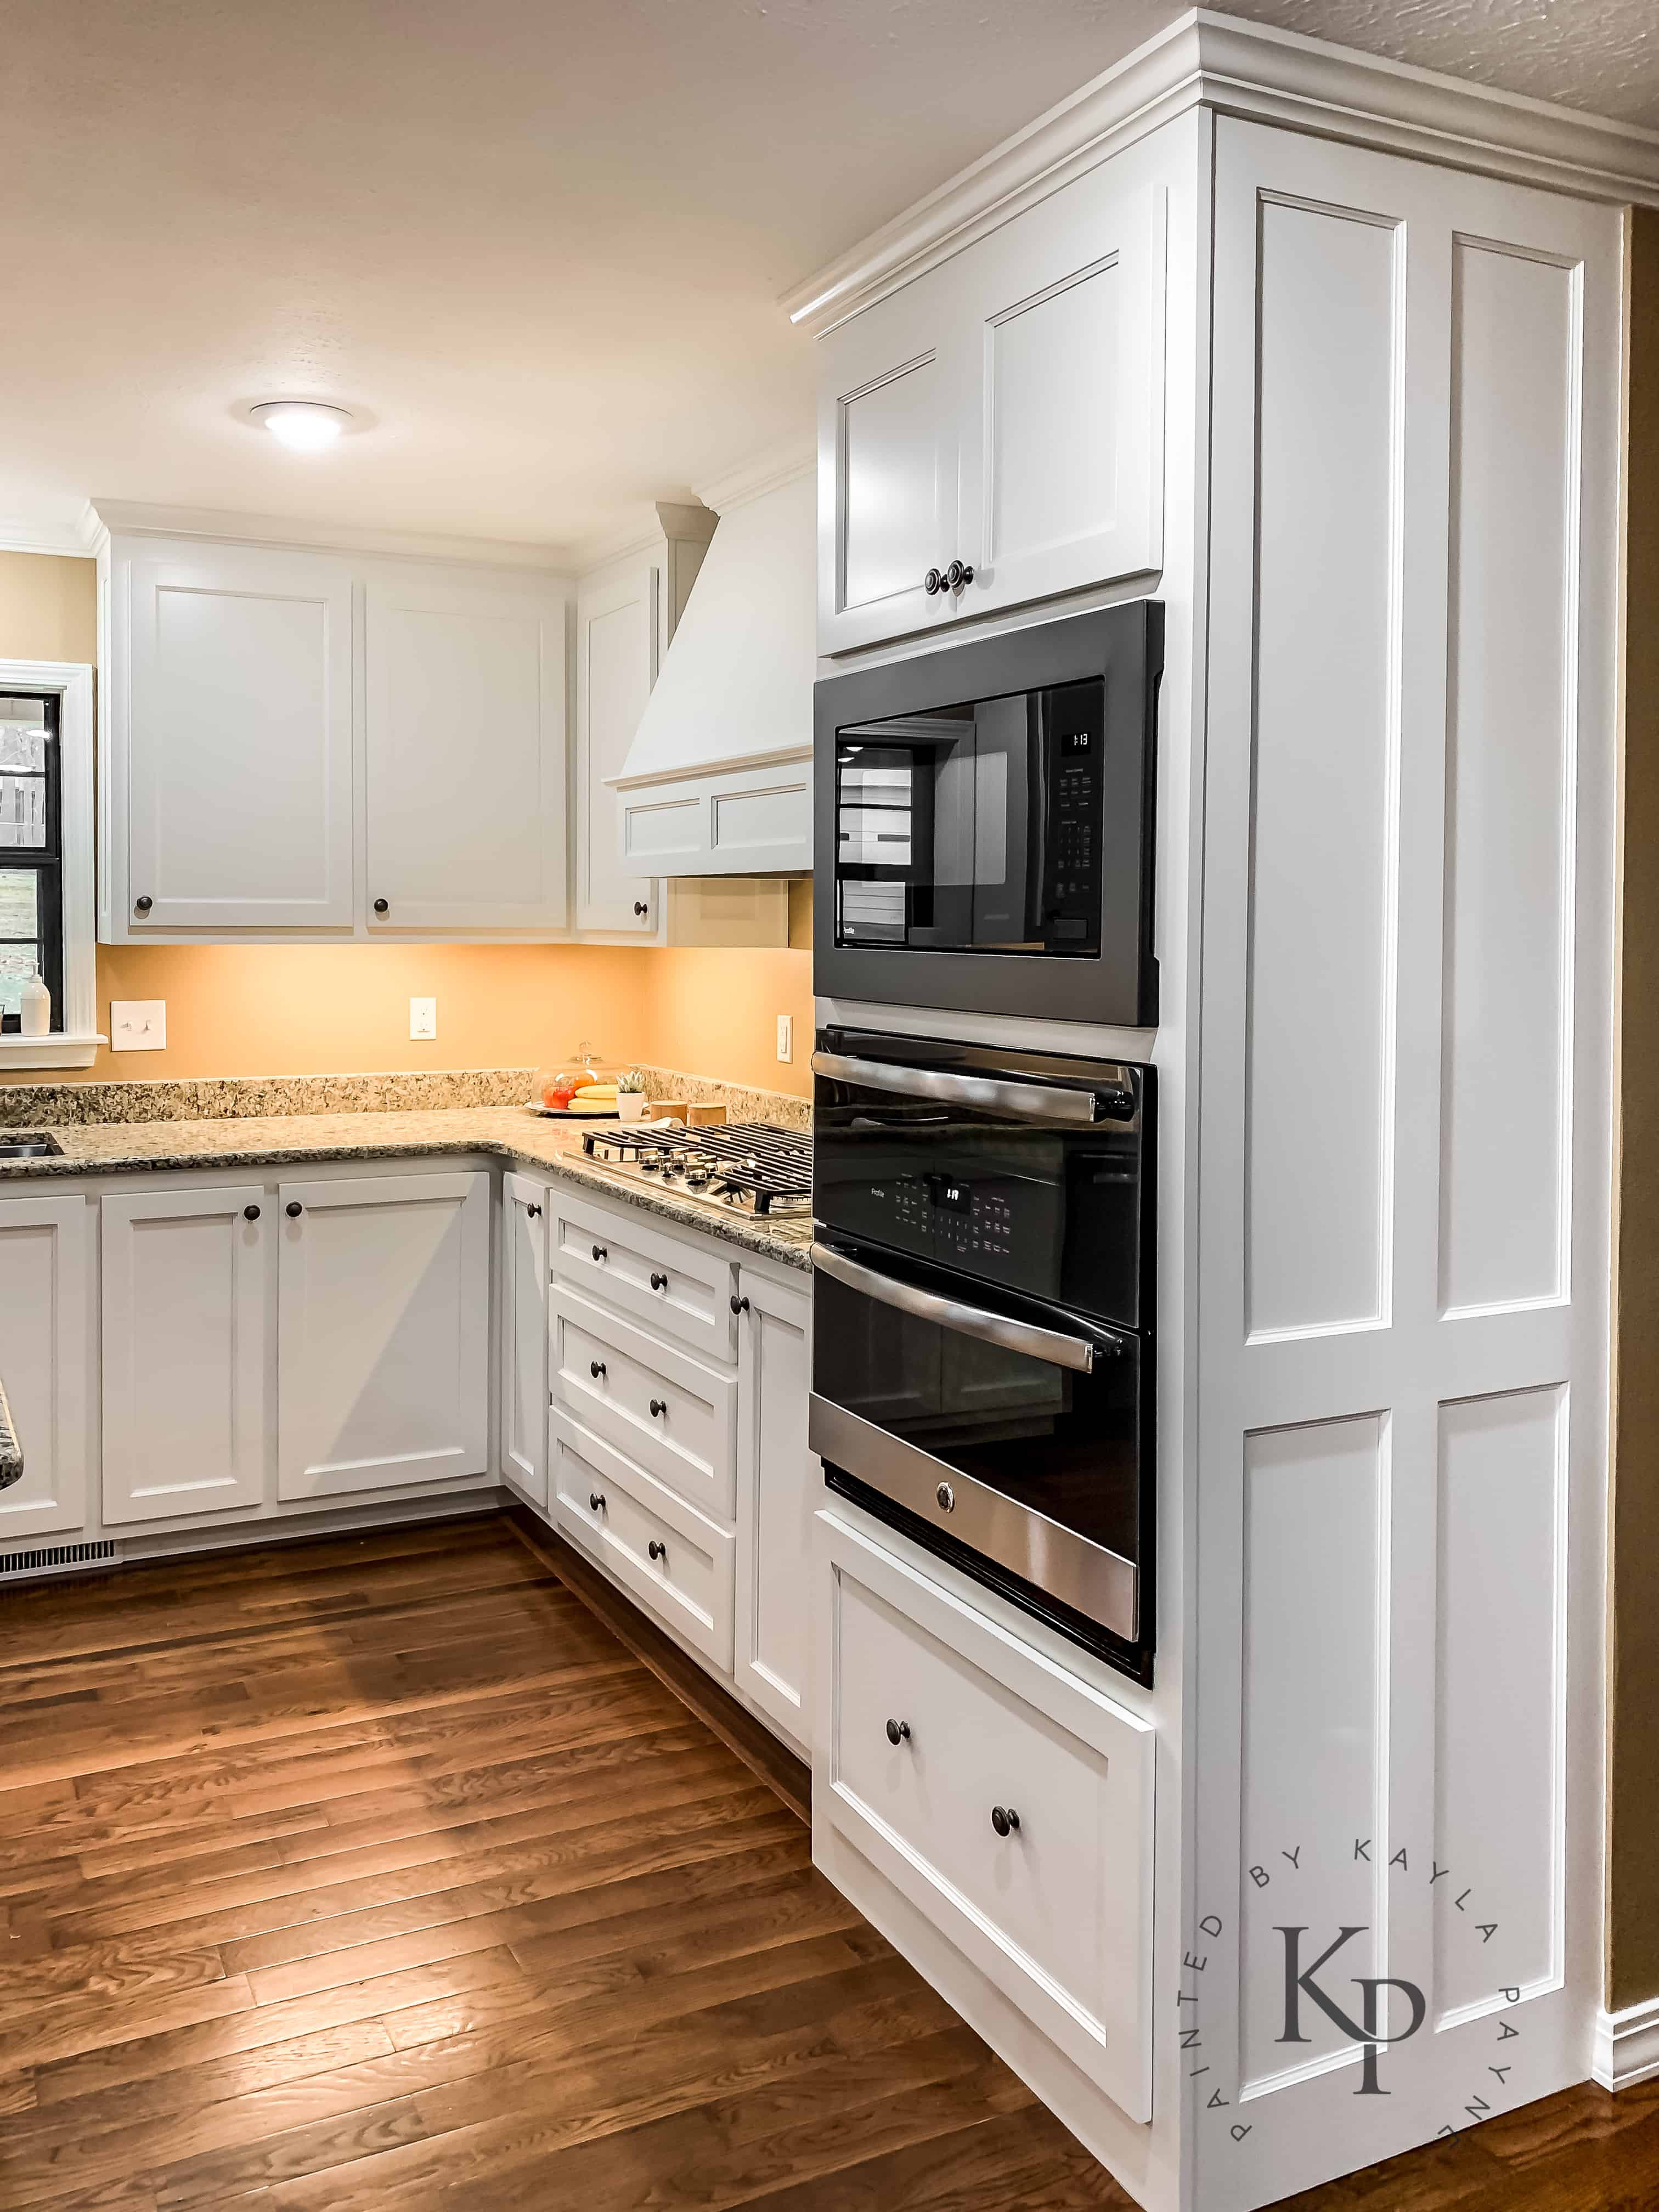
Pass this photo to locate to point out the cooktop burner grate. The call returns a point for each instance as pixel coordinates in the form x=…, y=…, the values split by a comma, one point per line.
x=748, y=1164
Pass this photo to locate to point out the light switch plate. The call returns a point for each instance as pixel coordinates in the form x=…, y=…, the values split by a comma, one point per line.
x=423, y=1018
x=137, y=1024
x=785, y=1036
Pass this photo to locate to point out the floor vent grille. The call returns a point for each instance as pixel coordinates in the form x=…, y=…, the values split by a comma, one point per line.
x=58, y=1555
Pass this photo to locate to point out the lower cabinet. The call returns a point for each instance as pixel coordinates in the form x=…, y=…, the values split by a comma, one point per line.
x=672, y=1559
x=1006, y=1797
x=184, y=1274
x=778, y=1490
x=525, y=1213
x=383, y=1332
x=46, y=1277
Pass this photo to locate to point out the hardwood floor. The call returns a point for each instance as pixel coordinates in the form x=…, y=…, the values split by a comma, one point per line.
x=378, y=1873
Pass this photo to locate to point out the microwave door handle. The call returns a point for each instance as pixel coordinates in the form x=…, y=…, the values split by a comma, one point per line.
x=1050, y=1344
x=1026, y=1102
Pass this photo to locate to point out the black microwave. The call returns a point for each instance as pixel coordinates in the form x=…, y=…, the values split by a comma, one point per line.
x=985, y=823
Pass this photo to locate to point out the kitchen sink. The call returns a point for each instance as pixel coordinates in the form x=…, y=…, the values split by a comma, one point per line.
x=30, y=1145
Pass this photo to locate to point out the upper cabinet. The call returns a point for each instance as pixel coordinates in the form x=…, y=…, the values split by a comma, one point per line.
x=229, y=727
x=626, y=613
x=993, y=434
x=313, y=744
x=463, y=810
x=616, y=667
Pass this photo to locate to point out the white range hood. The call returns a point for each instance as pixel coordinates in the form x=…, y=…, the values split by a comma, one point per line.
x=718, y=780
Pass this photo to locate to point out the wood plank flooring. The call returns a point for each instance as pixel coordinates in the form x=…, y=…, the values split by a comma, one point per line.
x=380, y=1873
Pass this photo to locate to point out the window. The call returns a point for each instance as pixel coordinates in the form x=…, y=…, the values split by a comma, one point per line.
x=47, y=913
x=31, y=852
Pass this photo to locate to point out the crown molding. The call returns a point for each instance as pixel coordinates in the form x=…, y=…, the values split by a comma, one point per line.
x=139, y=518
x=22, y=533
x=762, y=472
x=1248, y=69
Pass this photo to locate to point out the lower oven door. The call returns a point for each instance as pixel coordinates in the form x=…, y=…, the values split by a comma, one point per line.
x=1016, y=1444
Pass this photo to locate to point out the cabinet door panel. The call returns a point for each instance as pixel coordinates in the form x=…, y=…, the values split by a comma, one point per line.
x=239, y=722
x=889, y=433
x=465, y=790
x=384, y=1333
x=777, y=1492
x=615, y=666
x=1062, y=458
x=45, y=1275
x=524, y=1335
x=184, y=1351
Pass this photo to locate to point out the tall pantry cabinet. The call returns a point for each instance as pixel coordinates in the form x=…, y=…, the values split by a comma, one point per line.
x=1323, y=356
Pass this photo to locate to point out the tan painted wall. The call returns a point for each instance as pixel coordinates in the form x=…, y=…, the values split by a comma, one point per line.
x=314, y=1009
x=1633, y=1793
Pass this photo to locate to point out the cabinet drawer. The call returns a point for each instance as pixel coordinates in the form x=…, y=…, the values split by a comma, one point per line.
x=1057, y=1912
x=609, y=1375
x=662, y=1551
x=674, y=1287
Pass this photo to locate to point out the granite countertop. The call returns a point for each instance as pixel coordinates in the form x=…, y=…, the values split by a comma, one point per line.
x=11, y=1452
x=513, y=1133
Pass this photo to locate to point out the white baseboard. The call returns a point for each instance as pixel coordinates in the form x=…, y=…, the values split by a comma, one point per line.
x=1627, y=2046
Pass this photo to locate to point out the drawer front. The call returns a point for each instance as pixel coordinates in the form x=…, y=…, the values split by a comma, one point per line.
x=666, y=1555
x=1057, y=1911
x=676, y=1288
x=610, y=1375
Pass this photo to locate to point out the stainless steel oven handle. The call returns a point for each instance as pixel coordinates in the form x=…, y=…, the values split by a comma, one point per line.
x=1047, y=1344
x=1030, y=1102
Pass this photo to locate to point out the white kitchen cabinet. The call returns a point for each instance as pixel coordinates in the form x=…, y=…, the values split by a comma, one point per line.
x=464, y=766
x=184, y=1350
x=46, y=1274
x=228, y=772
x=670, y=1559
x=625, y=1258
x=383, y=1336
x=1005, y=411
x=675, y=1416
x=1003, y=1796
x=778, y=1489
x=616, y=621
x=524, y=1223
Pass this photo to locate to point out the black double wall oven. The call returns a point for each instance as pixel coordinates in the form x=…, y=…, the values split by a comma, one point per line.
x=982, y=1362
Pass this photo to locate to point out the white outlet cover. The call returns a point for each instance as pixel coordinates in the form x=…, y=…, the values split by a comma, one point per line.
x=137, y=1024
x=423, y=1018
x=785, y=1036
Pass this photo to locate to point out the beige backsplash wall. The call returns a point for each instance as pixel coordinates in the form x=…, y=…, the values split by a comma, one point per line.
x=331, y=1009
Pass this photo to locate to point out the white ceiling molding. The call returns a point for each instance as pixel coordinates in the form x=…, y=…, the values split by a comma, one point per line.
x=28, y=534
x=761, y=473
x=1248, y=69
x=139, y=518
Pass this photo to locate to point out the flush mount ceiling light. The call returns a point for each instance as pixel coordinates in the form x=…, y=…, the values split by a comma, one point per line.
x=304, y=425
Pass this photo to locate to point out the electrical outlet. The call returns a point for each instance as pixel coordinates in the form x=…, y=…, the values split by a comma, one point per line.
x=785, y=1036
x=423, y=1018
x=137, y=1024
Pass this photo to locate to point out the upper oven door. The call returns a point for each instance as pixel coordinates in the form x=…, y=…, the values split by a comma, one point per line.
x=985, y=814
x=1029, y=1173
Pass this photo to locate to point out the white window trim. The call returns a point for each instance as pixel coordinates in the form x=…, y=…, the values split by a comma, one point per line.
x=76, y=1044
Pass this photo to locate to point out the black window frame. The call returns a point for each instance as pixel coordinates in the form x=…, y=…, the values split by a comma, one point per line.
x=45, y=861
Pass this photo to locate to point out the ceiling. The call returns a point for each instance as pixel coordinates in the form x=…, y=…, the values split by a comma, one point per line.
x=536, y=244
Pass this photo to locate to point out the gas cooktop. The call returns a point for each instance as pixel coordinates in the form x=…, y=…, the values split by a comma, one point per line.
x=740, y=1167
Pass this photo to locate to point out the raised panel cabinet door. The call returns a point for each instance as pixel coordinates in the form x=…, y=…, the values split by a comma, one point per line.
x=383, y=1332
x=617, y=625
x=184, y=1351
x=524, y=1217
x=464, y=811
x=890, y=401
x=778, y=1491
x=45, y=1330
x=238, y=722
x=1062, y=461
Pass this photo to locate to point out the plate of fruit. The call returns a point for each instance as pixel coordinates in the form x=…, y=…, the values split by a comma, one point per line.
x=578, y=1093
